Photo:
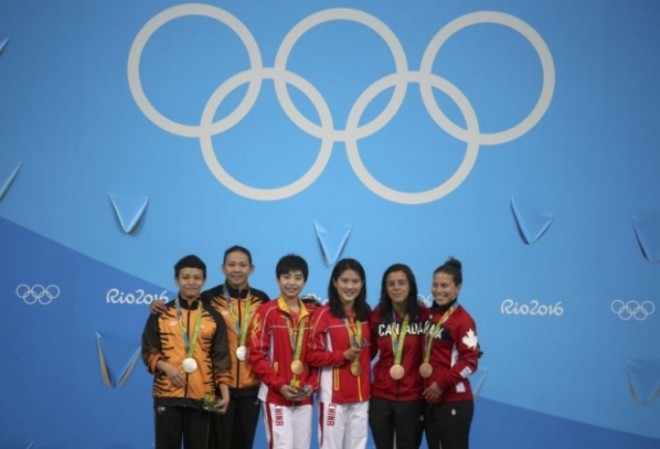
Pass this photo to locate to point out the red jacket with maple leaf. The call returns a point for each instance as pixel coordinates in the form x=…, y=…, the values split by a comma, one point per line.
x=454, y=354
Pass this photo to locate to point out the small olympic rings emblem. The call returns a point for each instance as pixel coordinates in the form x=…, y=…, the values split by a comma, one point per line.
x=354, y=129
x=632, y=309
x=37, y=293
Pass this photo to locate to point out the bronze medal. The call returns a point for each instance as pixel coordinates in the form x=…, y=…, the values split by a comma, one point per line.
x=397, y=372
x=356, y=368
x=296, y=367
x=425, y=370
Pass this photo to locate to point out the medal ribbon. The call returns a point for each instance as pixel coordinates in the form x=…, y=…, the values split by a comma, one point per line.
x=354, y=329
x=240, y=331
x=434, y=331
x=190, y=346
x=397, y=339
x=295, y=335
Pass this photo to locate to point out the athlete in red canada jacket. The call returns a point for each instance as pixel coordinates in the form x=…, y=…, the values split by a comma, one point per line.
x=410, y=386
x=451, y=354
x=454, y=355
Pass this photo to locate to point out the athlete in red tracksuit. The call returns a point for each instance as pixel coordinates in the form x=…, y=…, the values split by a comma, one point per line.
x=451, y=355
x=277, y=349
x=339, y=346
x=397, y=407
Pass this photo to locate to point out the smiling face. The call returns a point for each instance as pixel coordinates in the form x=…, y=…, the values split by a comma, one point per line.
x=348, y=285
x=190, y=282
x=398, y=289
x=444, y=288
x=291, y=284
x=237, y=268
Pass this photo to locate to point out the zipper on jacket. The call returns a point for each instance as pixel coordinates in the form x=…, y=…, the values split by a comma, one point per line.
x=238, y=343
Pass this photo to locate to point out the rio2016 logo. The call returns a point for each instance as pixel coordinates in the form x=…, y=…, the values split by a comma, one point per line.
x=138, y=297
x=532, y=308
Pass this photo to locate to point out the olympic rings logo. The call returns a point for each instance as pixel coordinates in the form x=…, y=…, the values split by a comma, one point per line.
x=632, y=309
x=326, y=131
x=37, y=293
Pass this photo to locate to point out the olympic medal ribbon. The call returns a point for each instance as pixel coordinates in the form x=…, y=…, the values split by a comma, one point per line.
x=397, y=371
x=296, y=339
x=425, y=369
x=240, y=325
x=354, y=329
x=187, y=342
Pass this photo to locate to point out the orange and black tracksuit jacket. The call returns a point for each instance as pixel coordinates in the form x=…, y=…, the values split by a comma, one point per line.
x=162, y=339
x=243, y=380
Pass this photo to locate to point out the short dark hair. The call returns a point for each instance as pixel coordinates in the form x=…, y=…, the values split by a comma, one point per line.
x=361, y=307
x=238, y=248
x=189, y=261
x=292, y=262
x=412, y=305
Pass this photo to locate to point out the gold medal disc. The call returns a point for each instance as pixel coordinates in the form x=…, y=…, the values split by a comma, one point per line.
x=397, y=372
x=425, y=370
x=296, y=367
x=356, y=368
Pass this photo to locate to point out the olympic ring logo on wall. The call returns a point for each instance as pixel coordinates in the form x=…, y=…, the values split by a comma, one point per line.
x=326, y=131
x=632, y=309
x=37, y=293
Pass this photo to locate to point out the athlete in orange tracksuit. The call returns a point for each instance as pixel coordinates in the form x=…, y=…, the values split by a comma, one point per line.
x=186, y=350
x=237, y=302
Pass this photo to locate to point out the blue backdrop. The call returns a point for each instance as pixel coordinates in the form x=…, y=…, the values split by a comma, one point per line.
x=520, y=137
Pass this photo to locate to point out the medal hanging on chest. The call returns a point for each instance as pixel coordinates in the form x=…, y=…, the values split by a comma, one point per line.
x=189, y=364
x=240, y=325
x=354, y=330
x=426, y=369
x=397, y=371
x=296, y=334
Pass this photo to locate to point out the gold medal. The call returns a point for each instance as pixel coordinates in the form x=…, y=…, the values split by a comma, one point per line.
x=296, y=367
x=356, y=368
x=397, y=372
x=425, y=370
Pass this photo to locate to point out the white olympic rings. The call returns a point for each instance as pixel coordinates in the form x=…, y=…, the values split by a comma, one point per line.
x=632, y=309
x=326, y=130
x=44, y=295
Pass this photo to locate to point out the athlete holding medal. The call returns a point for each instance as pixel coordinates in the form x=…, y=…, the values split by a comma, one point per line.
x=451, y=355
x=277, y=349
x=339, y=346
x=397, y=330
x=186, y=349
